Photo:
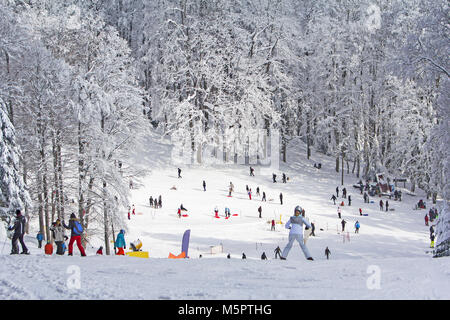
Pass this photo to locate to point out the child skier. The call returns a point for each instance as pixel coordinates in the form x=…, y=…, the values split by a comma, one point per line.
x=357, y=226
x=120, y=243
x=277, y=252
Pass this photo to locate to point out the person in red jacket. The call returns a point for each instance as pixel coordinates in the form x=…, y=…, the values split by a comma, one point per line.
x=100, y=251
x=426, y=220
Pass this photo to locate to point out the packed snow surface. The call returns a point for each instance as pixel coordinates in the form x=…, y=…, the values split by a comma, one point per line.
x=388, y=259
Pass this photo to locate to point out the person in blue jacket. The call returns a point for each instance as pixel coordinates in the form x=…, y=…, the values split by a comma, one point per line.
x=295, y=225
x=357, y=226
x=120, y=243
x=39, y=238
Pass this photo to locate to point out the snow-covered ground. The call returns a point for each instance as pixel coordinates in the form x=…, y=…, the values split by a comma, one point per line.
x=386, y=260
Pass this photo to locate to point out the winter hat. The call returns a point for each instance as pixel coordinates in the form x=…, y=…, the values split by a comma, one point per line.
x=72, y=216
x=299, y=209
x=18, y=213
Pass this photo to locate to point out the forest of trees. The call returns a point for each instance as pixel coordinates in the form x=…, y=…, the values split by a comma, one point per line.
x=82, y=82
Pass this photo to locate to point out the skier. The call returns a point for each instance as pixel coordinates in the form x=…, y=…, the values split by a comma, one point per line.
x=244, y=256
x=273, y=225
x=387, y=206
x=260, y=211
x=295, y=224
x=277, y=252
x=230, y=189
x=349, y=200
x=179, y=212
x=357, y=226
x=216, y=211
x=344, y=193
x=250, y=194
x=432, y=241
x=366, y=200
x=227, y=212
x=183, y=208
x=160, y=202
x=264, y=197
x=281, y=198
x=131, y=184
x=426, y=220
x=228, y=256
x=58, y=230
x=179, y=173
x=274, y=177
x=204, y=185
x=381, y=205
x=339, y=212
x=100, y=251
x=360, y=211
x=337, y=191
x=327, y=252
x=39, y=238
x=343, y=222
x=263, y=256
x=313, y=228
x=120, y=243
x=333, y=197
x=247, y=188
x=76, y=230
x=252, y=172
x=19, y=232
x=129, y=218
x=284, y=177
x=431, y=230
x=151, y=201
x=257, y=191
x=134, y=210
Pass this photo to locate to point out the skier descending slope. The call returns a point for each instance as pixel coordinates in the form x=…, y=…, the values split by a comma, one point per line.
x=295, y=224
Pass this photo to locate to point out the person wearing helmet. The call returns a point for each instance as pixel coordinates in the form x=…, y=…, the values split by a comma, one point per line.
x=295, y=225
x=120, y=243
x=19, y=232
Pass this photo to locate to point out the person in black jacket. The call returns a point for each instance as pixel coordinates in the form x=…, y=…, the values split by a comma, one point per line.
x=281, y=198
x=19, y=232
x=263, y=256
x=327, y=252
x=204, y=185
x=333, y=197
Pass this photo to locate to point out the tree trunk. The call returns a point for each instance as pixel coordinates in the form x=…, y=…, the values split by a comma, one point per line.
x=342, y=171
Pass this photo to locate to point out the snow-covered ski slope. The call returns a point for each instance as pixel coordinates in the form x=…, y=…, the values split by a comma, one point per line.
x=386, y=260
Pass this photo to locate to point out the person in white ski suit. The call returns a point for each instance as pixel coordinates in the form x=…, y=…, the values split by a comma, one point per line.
x=295, y=224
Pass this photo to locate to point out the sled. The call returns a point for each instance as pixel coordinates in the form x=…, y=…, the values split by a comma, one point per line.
x=365, y=214
x=217, y=217
x=138, y=254
x=234, y=215
x=226, y=217
x=180, y=256
x=48, y=249
x=185, y=215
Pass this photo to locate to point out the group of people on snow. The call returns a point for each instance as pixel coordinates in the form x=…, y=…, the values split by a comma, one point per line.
x=155, y=202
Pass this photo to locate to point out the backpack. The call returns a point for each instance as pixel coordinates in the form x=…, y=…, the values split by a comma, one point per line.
x=77, y=228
